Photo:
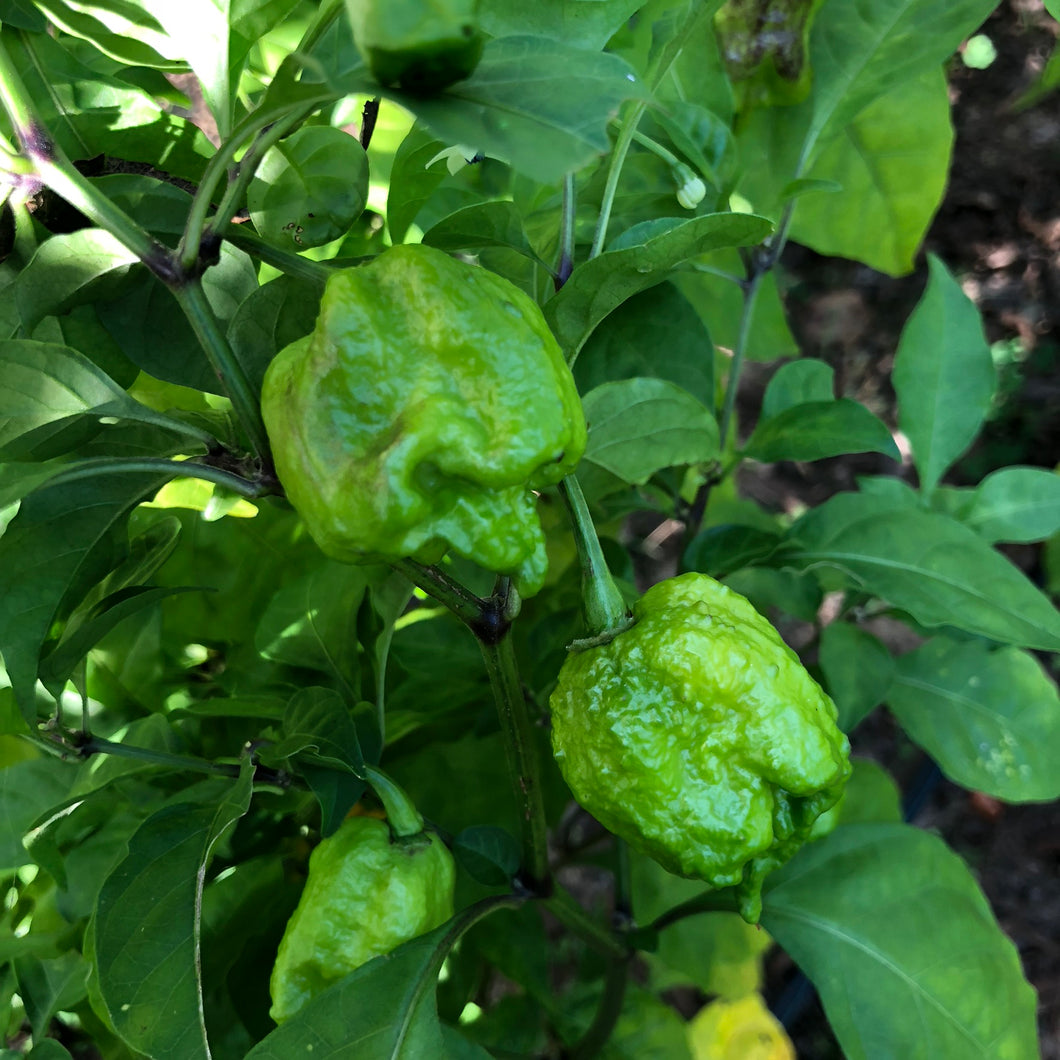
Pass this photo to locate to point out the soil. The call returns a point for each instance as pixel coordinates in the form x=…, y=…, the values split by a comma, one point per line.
x=998, y=229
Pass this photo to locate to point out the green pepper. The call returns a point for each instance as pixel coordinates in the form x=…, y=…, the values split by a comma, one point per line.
x=422, y=45
x=365, y=895
x=428, y=403
x=697, y=735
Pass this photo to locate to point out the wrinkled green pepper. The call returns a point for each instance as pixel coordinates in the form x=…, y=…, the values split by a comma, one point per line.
x=422, y=45
x=697, y=735
x=365, y=895
x=419, y=415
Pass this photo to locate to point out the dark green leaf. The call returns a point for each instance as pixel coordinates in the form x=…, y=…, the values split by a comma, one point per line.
x=49, y=986
x=939, y=571
x=858, y=670
x=599, y=286
x=871, y=795
x=65, y=537
x=990, y=718
x=68, y=270
x=489, y=224
x=156, y=205
x=540, y=105
x=891, y=928
x=588, y=24
x=411, y=181
x=385, y=1010
x=490, y=855
x=943, y=374
x=147, y=925
x=720, y=550
x=310, y=188
x=28, y=789
x=820, y=429
x=638, y=427
x=656, y=333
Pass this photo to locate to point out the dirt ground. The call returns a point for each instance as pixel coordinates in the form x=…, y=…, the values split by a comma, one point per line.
x=999, y=230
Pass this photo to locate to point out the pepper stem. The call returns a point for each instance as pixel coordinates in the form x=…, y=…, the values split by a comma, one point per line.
x=403, y=817
x=605, y=611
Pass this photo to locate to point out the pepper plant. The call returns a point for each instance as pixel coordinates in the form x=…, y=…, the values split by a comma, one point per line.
x=507, y=262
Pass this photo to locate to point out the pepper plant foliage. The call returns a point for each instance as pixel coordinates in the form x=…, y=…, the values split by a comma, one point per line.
x=194, y=694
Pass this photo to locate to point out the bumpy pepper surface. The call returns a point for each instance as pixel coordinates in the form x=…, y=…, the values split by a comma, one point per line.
x=364, y=896
x=698, y=736
x=423, y=45
x=428, y=402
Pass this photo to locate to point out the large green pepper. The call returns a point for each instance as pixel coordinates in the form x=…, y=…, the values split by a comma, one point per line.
x=366, y=893
x=427, y=404
x=697, y=735
x=423, y=45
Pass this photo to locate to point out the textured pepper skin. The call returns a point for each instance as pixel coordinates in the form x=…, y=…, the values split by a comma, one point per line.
x=364, y=896
x=422, y=45
x=428, y=402
x=698, y=736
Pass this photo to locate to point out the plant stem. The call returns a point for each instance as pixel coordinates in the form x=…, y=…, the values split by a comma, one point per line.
x=192, y=300
x=172, y=468
x=295, y=265
x=607, y=1014
x=402, y=816
x=722, y=901
x=524, y=765
x=439, y=586
x=746, y=318
x=605, y=610
x=618, y=158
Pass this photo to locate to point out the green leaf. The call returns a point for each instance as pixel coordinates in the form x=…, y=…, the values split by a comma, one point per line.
x=656, y=333
x=889, y=925
x=858, y=670
x=892, y=162
x=68, y=270
x=720, y=550
x=1016, y=504
x=147, y=924
x=638, y=427
x=943, y=374
x=939, y=571
x=871, y=795
x=155, y=335
x=862, y=51
x=798, y=383
x=28, y=789
x=989, y=717
x=820, y=429
x=312, y=623
x=320, y=739
x=309, y=188
x=537, y=104
x=384, y=1010
x=488, y=224
x=124, y=32
x=49, y=986
x=271, y=317
x=597, y=287
x=43, y=386
x=411, y=181
x=66, y=536
x=490, y=855
x=588, y=24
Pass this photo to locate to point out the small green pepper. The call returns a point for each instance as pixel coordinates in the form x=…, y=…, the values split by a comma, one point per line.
x=422, y=45
x=365, y=895
x=420, y=414
x=697, y=735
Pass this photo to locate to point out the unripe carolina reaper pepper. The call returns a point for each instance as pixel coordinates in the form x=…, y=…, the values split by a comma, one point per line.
x=423, y=45
x=365, y=895
x=419, y=415
x=697, y=735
